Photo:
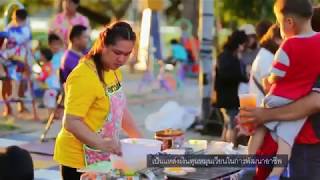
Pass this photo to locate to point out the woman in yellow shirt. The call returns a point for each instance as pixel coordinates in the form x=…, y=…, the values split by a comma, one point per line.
x=95, y=105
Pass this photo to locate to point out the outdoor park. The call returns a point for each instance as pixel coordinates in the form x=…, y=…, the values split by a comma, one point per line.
x=90, y=88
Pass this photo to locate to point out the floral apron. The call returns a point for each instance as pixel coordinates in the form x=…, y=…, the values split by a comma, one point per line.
x=112, y=125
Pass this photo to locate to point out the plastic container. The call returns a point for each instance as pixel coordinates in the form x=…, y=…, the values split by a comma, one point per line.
x=135, y=151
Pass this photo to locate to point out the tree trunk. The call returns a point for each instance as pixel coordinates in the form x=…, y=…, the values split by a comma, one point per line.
x=206, y=25
x=190, y=12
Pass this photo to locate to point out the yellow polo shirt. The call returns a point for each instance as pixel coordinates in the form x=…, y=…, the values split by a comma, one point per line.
x=85, y=97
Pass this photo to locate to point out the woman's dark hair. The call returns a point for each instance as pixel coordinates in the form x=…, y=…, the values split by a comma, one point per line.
x=315, y=20
x=268, y=40
x=262, y=28
x=235, y=40
x=112, y=34
x=16, y=164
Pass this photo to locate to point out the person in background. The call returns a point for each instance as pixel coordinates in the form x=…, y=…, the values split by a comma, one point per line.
x=229, y=74
x=163, y=79
x=262, y=27
x=79, y=38
x=49, y=78
x=192, y=45
x=16, y=164
x=56, y=47
x=17, y=53
x=180, y=56
x=18, y=59
x=249, y=53
x=269, y=44
x=252, y=46
x=69, y=17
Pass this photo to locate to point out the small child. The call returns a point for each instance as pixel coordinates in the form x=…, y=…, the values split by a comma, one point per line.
x=18, y=48
x=56, y=47
x=162, y=79
x=48, y=77
x=294, y=72
x=180, y=56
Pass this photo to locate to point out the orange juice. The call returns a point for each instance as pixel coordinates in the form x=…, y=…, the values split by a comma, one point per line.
x=248, y=100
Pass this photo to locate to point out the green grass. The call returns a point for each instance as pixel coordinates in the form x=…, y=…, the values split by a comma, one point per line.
x=7, y=127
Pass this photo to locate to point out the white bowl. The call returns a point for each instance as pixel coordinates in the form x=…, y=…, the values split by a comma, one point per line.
x=135, y=151
x=175, y=151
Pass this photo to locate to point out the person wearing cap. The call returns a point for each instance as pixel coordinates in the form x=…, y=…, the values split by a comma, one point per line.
x=228, y=77
x=252, y=44
x=69, y=17
x=249, y=54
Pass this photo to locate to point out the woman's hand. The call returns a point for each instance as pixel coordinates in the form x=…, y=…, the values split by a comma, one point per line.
x=92, y=176
x=111, y=146
x=88, y=176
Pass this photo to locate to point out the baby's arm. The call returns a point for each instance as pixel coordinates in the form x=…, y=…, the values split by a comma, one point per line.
x=280, y=65
x=267, y=82
x=273, y=78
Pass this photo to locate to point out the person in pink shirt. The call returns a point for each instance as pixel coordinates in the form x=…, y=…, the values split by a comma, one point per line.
x=64, y=21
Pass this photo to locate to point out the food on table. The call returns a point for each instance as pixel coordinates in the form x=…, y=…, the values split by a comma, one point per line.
x=175, y=171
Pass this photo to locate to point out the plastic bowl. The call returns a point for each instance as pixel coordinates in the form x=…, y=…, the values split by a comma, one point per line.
x=135, y=151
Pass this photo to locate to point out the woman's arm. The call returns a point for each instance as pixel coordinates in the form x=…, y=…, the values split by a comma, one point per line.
x=81, y=131
x=129, y=126
x=299, y=109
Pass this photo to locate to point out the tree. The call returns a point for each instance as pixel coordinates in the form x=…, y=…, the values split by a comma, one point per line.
x=98, y=11
x=234, y=12
x=190, y=12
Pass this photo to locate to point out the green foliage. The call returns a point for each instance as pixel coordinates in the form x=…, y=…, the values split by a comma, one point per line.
x=235, y=12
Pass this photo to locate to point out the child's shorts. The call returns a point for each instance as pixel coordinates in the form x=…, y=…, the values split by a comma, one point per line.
x=50, y=98
x=15, y=69
x=286, y=130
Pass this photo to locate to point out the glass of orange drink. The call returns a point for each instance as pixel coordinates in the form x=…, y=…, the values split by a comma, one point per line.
x=248, y=100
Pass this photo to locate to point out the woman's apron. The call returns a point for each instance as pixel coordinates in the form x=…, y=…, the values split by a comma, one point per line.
x=112, y=125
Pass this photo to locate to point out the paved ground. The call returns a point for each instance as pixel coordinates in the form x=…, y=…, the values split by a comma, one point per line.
x=140, y=104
